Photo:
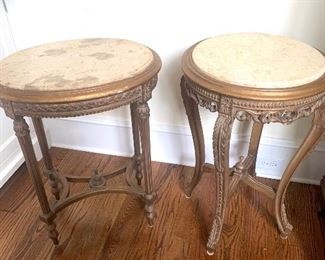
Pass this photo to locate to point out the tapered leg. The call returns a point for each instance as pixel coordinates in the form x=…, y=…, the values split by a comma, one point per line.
x=136, y=142
x=143, y=113
x=310, y=141
x=194, y=119
x=51, y=172
x=254, y=144
x=23, y=134
x=221, y=140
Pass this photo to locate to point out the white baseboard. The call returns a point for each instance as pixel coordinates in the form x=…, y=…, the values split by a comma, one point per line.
x=13, y=157
x=174, y=145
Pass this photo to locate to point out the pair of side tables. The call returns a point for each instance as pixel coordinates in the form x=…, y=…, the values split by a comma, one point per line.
x=245, y=76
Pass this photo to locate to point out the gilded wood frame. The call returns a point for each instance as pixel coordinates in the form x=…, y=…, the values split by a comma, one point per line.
x=262, y=106
x=135, y=91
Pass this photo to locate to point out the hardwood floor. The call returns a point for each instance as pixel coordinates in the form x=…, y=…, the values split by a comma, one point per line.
x=113, y=226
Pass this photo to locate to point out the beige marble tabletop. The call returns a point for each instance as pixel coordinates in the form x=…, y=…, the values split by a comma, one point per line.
x=74, y=64
x=259, y=60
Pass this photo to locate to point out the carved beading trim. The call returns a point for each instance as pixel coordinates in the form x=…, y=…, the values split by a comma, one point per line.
x=78, y=108
x=260, y=111
x=267, y=105
x=142, y=93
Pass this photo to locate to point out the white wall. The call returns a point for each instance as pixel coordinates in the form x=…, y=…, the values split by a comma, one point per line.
x=169, y=27
x=11, y=156
x=8, y=144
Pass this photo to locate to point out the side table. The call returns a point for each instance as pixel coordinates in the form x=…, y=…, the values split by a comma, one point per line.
x=75, y=78
x=258, y=77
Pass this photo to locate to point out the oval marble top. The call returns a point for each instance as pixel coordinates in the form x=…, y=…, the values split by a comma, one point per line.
x=75, y=64
x=258, y=60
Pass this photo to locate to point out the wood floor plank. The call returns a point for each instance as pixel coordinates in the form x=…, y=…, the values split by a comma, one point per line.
x=113, y=226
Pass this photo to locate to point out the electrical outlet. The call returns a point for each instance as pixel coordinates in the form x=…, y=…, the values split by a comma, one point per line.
x=270, y=164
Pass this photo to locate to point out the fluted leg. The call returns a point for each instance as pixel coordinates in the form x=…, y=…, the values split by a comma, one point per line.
x=221, y=140
x=143, y=112
x=136, y=142
x=51, y=172
x=254, y=144
x=23, y=134
x=194, y=119
x=310, y=141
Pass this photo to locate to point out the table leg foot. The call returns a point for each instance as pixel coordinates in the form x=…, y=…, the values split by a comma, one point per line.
x=310, y=141
x=143, y=113
x=22, y=132
x=209, y=252
x=149, y=209
x=285, y=227
x=53, y=234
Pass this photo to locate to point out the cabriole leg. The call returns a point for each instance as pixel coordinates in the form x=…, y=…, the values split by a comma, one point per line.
x=310, y=141
x=143, y=112
x=221, y=140
x=254, y=144
x=194, y=119
x=23, y=134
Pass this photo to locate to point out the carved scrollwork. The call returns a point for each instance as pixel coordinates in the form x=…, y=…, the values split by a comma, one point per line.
x=221, y=139
x=202, y=97
x=285, y=116
x=260, y=111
